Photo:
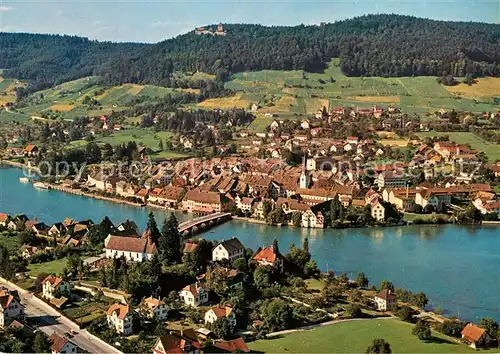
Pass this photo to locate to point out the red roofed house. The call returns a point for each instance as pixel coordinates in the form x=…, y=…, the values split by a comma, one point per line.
x=386, y=301
x=177, y=342
x=10, y=307
x=189, y=247
x=60, y=344
x=475, y=336
x=194, y=294
x=31, y=150
x=4, y=218
x=120, y=318
x=236, y=345
x=132, y=248
x=206, y=202
x=154, y=308
x=218, y=312
x=270, y=256
x=52, y=285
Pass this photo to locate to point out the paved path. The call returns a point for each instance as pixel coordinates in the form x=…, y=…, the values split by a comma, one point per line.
x=51, y=321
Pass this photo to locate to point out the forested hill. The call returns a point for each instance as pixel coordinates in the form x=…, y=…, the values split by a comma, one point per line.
x=374, y=45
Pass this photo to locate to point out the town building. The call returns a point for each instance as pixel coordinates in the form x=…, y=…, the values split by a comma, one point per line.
x=391, y=179
x=378, y=211
x=228, y=249
x=119, y=318
x=218, y=312
x=154, y=308
x=10, y=307
x=61, y=345
x=132, y=248
x=203, y=202
x=194, y=294
x=386, y=301
x=53, y=287
x=183, y=341
x=475, y=336
x=270, y=256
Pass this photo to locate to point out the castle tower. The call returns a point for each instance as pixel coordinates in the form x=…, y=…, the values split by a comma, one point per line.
x=304, y=178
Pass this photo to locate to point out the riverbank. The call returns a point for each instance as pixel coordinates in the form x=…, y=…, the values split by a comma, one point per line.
x=21, y=166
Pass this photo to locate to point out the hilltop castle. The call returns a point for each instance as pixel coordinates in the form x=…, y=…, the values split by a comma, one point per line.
x=219, y=32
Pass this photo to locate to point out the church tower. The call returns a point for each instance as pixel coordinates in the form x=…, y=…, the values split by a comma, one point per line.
x=304, y=178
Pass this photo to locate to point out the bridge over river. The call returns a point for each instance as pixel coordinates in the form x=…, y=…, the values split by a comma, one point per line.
x=203, y=222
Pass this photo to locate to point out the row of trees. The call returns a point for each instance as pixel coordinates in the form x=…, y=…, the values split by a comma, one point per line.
x=373, y=45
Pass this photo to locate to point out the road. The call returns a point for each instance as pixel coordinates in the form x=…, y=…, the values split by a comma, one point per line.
x=51, y=321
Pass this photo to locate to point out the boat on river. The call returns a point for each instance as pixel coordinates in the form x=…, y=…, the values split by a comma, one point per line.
x=24, y=179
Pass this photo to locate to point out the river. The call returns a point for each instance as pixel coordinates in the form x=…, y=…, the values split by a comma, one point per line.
x=458, y=267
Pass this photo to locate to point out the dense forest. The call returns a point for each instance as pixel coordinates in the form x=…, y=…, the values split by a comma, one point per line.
x=373, y=45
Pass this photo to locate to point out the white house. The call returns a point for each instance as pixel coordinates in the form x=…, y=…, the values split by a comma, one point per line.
x=52, y=285
x=61, y=345
x=10, y=307
x=194, y=294
x=378, y=211
x=132, y=248
x=228, y=249
x=309, y=219
x=154, y=308
x=386, y=301
x=269, y=256
x=119, y=317
x=218, y=312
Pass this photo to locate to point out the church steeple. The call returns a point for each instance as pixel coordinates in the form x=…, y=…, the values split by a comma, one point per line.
x=304, y=179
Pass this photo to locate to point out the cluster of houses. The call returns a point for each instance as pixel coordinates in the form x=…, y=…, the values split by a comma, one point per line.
x=67, y=232
x=220, y=31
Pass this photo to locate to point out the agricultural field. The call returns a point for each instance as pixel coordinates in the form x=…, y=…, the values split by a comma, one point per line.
x=482, y=89
x=356, y=336
x=67, y=98
x=236, y=101
x=7, y=90
x=144, y=137
x=312, y=91
x=492, y=150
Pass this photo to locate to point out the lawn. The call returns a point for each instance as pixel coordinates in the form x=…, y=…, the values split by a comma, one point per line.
x=314, y=284
x=355, y=337
x=492, y=150
x=55, y=267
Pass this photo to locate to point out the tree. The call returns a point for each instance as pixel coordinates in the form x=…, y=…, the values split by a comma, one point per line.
x=422, y=330
x=490, y=326
x=262, y=277
x=152, y=229
x=222, y=328
x=41, y=343
x=362, y=280
x=296, y=218
x=386, y=284
x=277, y=315
x=405, y=313
x=419, y=299
x=353, y=311
x=170, y=241
x=379, y=346
x=92, y=153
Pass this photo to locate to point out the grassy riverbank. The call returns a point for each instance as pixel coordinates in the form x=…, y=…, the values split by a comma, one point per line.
x=355, y=336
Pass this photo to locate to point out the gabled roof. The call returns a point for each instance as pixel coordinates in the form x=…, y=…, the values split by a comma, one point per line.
x=221, y=311
x=152, y=303
x=189, y=247
x=121, y=310
x=194, y=288
x=4, y=217
x=130, y=244
x=236, y=345
x=53, y=280
x=58, y=342
x=387, y=295
x=232, y=245
x=268, y=254
x=472, y=332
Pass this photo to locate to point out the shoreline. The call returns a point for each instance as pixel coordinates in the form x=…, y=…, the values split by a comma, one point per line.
x=118, y=200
